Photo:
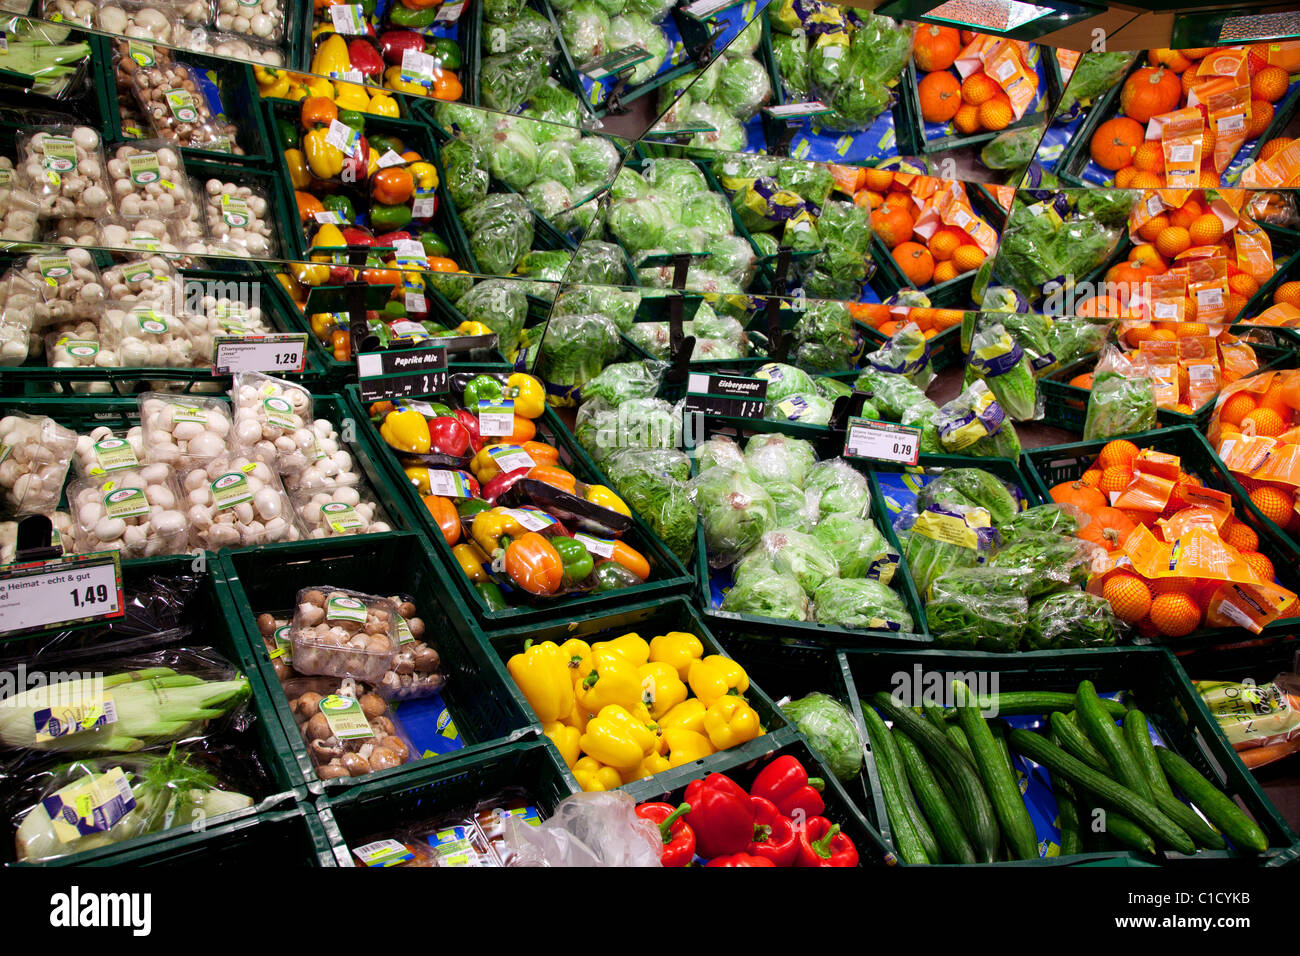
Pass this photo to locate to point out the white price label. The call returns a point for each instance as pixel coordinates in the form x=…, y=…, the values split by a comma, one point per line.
x=532, y=520
x=418, y=65
x=797, y=109
x=415, y=302
x=46, y=595
x=883, y=441
x=448, y=484
x=349, y=19
x=496, y=418
x=327, y=218
x=449, y=13
x=342, y=137
x=703, y=8
x=409, y=249
x=259, y=353
x=1182, y=153
x=600, y=547
x=423, y=207
x=390, y=158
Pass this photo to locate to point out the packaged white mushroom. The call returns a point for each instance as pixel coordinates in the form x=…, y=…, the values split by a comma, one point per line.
x=146, y=278
x=152, y=235
x=64, y=167
x=234, y=46
x=102, y=453
x=15, y=339
x=174, y=102
x=19, y=207
x=263, y=19
x=75, y=231
x=213, y=316
x=332, y=466
x=237, y=502
x=139, y=513
x=238, y=219
x=181, y=428
x=349, y=731
x=152, y=22
x=344, y=633
x=345, y=511
x=35, y=452
x=146, y=337
x=57, y=287
x=273, y=420
x=149, y=181
x=60, y=533
x=79, y=348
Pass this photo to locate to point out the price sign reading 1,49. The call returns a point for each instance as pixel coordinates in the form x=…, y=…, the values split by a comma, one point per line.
x=56, y=593
x=882, y=441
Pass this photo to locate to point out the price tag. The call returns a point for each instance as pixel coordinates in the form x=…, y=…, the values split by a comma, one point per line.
x=611, y=64
x=343, y=137
x=410, y=249
x=449, y=484
x=401, y=373
x=729, y=396
x=882, y=441
x=74, y=590
x=349, y=19
x=418, y=67
x=383, y=853
x=423, y=207
x=284, y=352
x=600, y=547
x=511, y=458
x=328, y=218
x=701, y=9
x=796, y=110
x=496, y=418
x=449, y=12
x=389, y=158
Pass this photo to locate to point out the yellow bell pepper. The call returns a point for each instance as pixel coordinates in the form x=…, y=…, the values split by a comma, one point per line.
x=471, y=562
x=543, y=678
x=310, y=274
x=577, y=718
x=351, y=96
x=716, y=676
x=528, y=393
x=331, y=58
x=489, y=526
x=325, y=160
x=630, y=646
x=602, y=496
x=298, y=172
x=688, y=715
x=424, y=174
x=483, y=466
x=472, y=328
x=406, y=431
x=653, y=764
x=606, y=677
x=576, y=652
x=297, y=92
x=617, y=739
x=661, y=688
x=318, y=86
x=381, y=104
x=686, y=746
x=328, y=236
x=594, y=777
x=677, y=648
x=271, y=82
x=565, y=739
x=730, y=721
x=393, y=80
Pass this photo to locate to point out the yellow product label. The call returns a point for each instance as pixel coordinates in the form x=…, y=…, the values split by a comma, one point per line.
x=951, y=529
x=92, y=807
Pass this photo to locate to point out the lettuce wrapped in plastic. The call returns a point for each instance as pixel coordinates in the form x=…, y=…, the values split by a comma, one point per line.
x=553, y=162
x=826, y=339
x=832, y=388
x=617, y=305
x=1011, y=149
x=631, y=29
x=512, y=155
x=548, y=197
x=576, y=347
x=735, y=512
x=501, y=306
x=970, y=423
x=509, y=79
x=778, y=457
x=527, y=28
x=792, y=508
x=1093, y=75
x=678, y=177
x=747, y=40
x=977, y=608
x=1040, y=519
x=544, y=265
x=1077, y=337
x=807, y=408
x=643, y=223
x=629, y=184
x=598, y=263
x=891, y=393
x=559, y=109
x=503, y=11
x=1005, y=368
x=652, y=482
x=767, y=595
x=831, y=732
x=1070, y=619
x=624, y=381
x=1118, y=405
x=907, y=353
x=944, y=538
x=861, y=604
x=791, y=56
x=743, y=87
x=784, y=381
x=972, y=488
x=1049, y=562
x=718, y=452
x=465, y=173
x=836, y=487
x=857, y=546
x=727, y=134
x=500, y=231
x=733, y=257
x=801, y=555
x=707, y=211
x=465, y=119
x=584, y=27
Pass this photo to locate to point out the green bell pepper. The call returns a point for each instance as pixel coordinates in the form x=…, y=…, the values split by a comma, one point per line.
x=389, y=218
x=383, y=142
x=491, y=595
x=434, y=244
x=353, y=119
x=287, y=133
x=341, y=206
x=394, y=310
x=469, y=507
x=403, y=16
x=577, y=560
x=439, y=410
x=446, y=51
x=612, y=576
x=482, y=387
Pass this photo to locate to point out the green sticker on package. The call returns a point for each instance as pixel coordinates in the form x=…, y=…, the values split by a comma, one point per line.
x=125, y=502
x=342, y=518
x=345, y=718
x=279, y=412
x=181, y=103
x=231, y=489
x=144, y=169
x=345, y=609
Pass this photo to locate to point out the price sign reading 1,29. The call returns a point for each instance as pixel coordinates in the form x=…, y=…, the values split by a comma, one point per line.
x=882, y=441
x=728, y=396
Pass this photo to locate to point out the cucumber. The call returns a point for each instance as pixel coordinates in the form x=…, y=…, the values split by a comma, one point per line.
x=973, y=805
x=1105, y=736
x=1203, y=833
x=999, y=781
x=958, y=738
x=906, y=840
x=1115, y=795
x=907, y=800
x=938, y=811
x=1067, y=816
x=1213, y=802
x=1018, y=702
x=1129, y=834
x=1137, y=736
x=1073, y=741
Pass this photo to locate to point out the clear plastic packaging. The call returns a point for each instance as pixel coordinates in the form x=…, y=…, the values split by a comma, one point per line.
x=55, y=287
x=173, y=101
x=79, y=12
x=153, y=235
x=15, y=340
x=35, y=452
x=233, y=46
x=274, y=628
x=334, y=469
x=273, y=421
x=735, y=512
x=218, y=315
x=101, y=452
x=238, y=220
x=177, y=428
x=139, y=513
x=146, y=337
x=64, y=167
x=327, y=707
x=344, y=634
x=79, y=347
x=149, y=182
x=415, y=671
x=344, y=511
x=235, y=502
x=151, y=278
x=20, y=208
x=157, y=21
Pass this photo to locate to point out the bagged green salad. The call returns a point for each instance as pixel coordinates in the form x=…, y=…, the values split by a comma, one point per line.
x=1070, y=619
x=1002, y=364
x=862, y=604
x=800, y=555
x=977, y=608
x=906, y=353
x=831, y=732
x=970, y=488
x=1049, y=562
x=836, y=487
x=765, y=593
x=735, y=512
x=944, y=538
x=1122, y=400
x=777, y=457
x=857, y=546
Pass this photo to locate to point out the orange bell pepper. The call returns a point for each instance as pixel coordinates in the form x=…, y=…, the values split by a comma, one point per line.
x=521, y=431
x=308, y=205
x=381, y=276
x=392, y=186
x=631, y=559
x=442, y=264
x=444, y=513
x=555, y=477
x=318, y=111
x=541, y=453
x=533, y=563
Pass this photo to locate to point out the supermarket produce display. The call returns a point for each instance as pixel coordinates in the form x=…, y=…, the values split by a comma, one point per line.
x=519, y=433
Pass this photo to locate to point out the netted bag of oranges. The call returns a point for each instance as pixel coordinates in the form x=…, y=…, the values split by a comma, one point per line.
x=1256, y=432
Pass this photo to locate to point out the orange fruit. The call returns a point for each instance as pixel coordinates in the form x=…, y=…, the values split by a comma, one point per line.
x=879, y=180
x=1149, y=92
x=893, y=226
x=1172, y=240
x=1240, y=535
x=1208, y=138
x=1175, y=615
x=1081, y=381
x=943, y=271
x=1206, y=230
x=1114, y=143
x=1274, y=503
x=935, y=47
x=996, y=114
x=1163, y=335
x=1089, y=479
x=1149, y=157
x=1172, y=586
x=1288, y=292
x=1274, y=146
x=1147, y=181
x=1208, y=180
x=979, y=88
x=1153, y=227
x=1119, y=452
x=1267, y=422
x=1261, y=114
x=1186, y=330
x=940, y=96
x=1243, y=284
x=1115, y=478
x=916, y=262
x=1237, y=407
x=1124, y=177
x=1260, y=564
x=1186, y=214
x=1235, y=304
x=1129, y=597
x=1270, y=84
x=945, y=242
x=968, y=257
x=947, y=318
x=967, y=119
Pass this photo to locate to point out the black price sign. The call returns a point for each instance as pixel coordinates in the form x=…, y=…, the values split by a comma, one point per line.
x=726, y=396
x=402, y=373
x=49, y=594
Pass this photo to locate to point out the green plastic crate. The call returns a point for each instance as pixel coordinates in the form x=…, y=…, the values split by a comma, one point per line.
x=648, y=620
x=1047, y=467
x=282, y=210
x=1160, y=689
x=667, y=576
x=378, y=807
x=260, y=581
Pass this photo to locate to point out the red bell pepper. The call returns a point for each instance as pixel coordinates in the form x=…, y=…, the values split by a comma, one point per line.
x=356, y=168
x=448, y=436
x=774, y=834
x=786, y=783
x=502, y=483
x=390, y=239
x=740, y=859
x=395, y=43
x=356, y=236
x=470, y=421
x=364, y=57
x=721, y=815
x=822, y=844
x=678, y=837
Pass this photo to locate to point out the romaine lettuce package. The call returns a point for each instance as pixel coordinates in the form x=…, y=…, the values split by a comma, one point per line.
x=857, y=546
x=1119, y=405
x=735, y=512
x=1070, y=619
x=776, y=457
x=862, y=604
x=791, y=56
x=801, y=555
x=944, y=538
x=977, y=608
x=906, y=353
x=970, y=488
x=1002, y=364
x=974, y=424
x=836, y=487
